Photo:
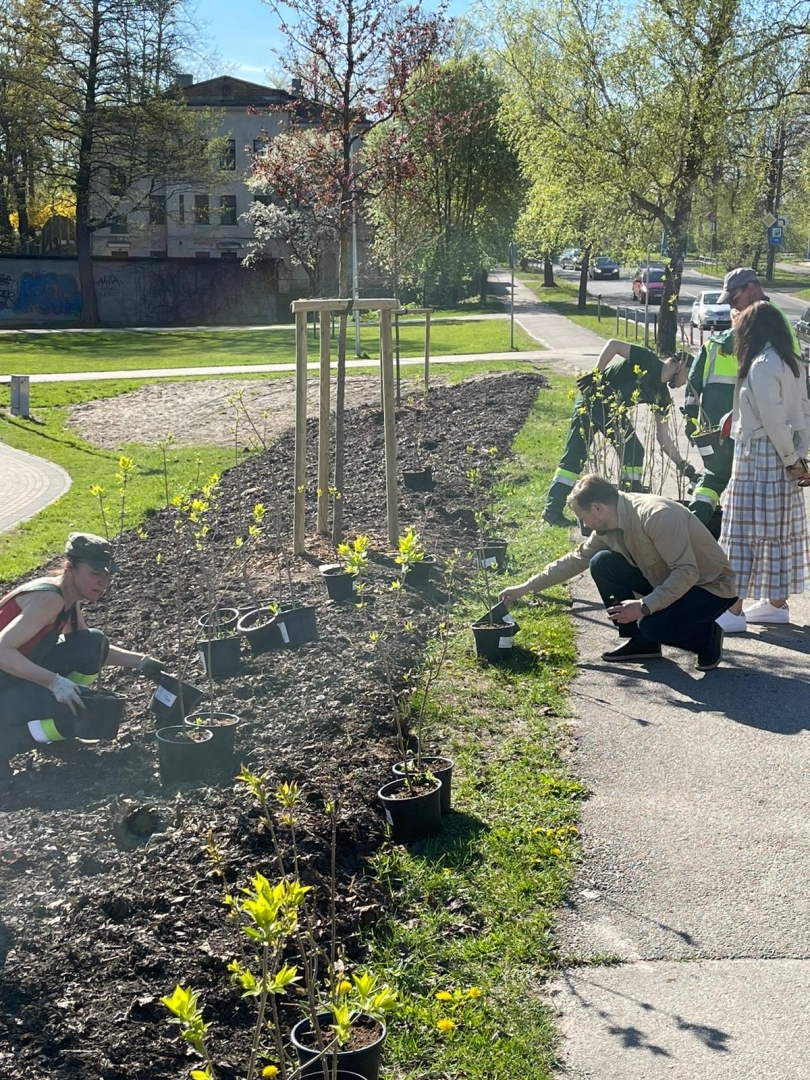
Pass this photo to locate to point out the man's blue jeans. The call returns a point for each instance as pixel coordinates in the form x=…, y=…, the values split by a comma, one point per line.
x=686, y=624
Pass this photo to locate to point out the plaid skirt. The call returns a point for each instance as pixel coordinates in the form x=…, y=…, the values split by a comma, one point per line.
x=764, y=529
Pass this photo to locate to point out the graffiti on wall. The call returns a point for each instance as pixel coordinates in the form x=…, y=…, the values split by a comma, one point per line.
x=35, y=295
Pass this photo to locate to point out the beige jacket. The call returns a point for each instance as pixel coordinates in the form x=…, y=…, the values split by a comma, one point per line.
x=770, y=402
x=670, y=546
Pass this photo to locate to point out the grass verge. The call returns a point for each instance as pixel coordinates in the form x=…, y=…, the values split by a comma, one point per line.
x=64, y=352
x=471, y=940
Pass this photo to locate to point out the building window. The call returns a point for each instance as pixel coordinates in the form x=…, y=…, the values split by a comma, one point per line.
x=202, y=254
x=265, y=200
x=201, y=210
x=259, y=146
x=118, y=181
x=227, y=209
x=119, y=224
x=227, y=159
x=115, y=254
x=157, y=209
x=181, y=209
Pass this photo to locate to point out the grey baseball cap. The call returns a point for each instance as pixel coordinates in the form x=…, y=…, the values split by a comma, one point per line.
x=91, y=549
x=734, y=281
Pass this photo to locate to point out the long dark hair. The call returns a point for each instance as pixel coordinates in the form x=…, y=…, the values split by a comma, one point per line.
x=762, y=324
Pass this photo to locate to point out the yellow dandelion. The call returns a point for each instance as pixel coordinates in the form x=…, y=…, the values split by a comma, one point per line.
x=344, y=986
x=270, y=1070
x=444, y=995
x=474, y=992
x=446, y=1024
x=556, y=851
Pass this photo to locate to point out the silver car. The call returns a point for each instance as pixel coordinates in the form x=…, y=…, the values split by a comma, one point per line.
x=707, y=314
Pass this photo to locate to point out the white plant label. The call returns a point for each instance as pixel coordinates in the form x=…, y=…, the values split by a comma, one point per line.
x=165, y=697
x=508, y=620
x=706, y=451
x=505, y=643
x=202, y=660
x=487, y=564
x=388, y=817
x=285, y=637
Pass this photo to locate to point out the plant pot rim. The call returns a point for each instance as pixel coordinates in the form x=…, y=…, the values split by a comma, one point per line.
x=334, y=570
x=159, y=733
x=243, y=623
x=383, y=791
x=325, y=1020
x=211, y=714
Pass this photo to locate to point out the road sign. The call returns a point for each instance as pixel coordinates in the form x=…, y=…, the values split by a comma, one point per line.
x=783, y=220
x=769, y=219
x=775, y=235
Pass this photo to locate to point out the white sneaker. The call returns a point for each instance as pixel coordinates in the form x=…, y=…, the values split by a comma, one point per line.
x=763, y=611
x=732, y=624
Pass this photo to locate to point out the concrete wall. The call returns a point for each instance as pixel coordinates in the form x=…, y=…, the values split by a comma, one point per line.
x=147, y=292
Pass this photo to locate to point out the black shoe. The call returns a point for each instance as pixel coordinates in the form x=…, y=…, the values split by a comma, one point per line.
x=710, y=657
x=557, y=518
x=633, y=650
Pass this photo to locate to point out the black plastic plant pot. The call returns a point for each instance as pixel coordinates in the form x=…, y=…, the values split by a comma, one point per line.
x=182, y=753
x=296, y=624
x=102, y=714
x=491, y=555
x=418, y=479
x=708, y=441
x=259, y=630
x=423, y=572
x=412, y=816
x=224, y=618
x=363, y=1062
x=222, y=725
x=173, y=699
x=441, y=768
x=339, y=584
x=316, y=1069
x=220, y=657
x=493, y=634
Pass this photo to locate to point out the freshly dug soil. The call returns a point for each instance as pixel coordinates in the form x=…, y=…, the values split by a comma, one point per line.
x=109, y=894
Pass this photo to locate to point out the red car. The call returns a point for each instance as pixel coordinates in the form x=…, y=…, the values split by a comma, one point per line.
x=651, y=281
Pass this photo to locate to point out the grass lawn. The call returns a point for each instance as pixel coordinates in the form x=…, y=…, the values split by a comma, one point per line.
x=29, y=354
x=471, y=938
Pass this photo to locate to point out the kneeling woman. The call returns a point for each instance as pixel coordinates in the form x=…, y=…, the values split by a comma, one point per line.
x=47, y=651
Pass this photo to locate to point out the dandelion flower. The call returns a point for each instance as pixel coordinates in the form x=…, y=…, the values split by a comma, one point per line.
x=344, y=986
x=446, y=1024
x=556, y=851
x=474, y=992
x=444, y=995
x=270, y=1070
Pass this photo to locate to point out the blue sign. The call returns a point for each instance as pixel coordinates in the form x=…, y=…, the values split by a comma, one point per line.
x=775, y=235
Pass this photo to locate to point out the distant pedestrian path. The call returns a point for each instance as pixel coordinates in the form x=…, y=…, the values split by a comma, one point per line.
x=27, y=485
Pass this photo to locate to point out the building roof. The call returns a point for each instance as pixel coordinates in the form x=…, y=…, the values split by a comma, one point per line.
x=227, y=90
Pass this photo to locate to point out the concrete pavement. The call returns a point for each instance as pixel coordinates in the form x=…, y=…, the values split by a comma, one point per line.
x=27, y=485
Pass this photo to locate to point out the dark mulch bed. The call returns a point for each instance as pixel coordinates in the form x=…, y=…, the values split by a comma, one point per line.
x=98, y=922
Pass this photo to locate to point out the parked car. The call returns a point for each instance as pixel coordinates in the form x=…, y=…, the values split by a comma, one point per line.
x=603, y=267
x=707, y=314
x=803, y=329
x=651, y=281
x=571, y=259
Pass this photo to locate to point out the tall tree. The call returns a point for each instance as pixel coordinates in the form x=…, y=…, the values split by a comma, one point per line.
x=353, y=60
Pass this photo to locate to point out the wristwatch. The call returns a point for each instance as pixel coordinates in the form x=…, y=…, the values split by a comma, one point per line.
x=644, y=609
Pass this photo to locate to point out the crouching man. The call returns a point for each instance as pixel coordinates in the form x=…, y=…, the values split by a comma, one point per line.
x=47, y=651
x=662, y=576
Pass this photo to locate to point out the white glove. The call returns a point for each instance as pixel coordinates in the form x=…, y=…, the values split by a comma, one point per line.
x=66, y=692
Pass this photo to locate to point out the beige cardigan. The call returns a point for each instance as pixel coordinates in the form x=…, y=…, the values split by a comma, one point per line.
x=770, y=402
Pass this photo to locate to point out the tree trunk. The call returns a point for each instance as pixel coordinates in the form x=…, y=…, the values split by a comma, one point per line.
x=482, y=295
x=84, y=173
x=548, y=272
x=344, y=290
x=668, y=314
x=582, y=296
x=87, y=284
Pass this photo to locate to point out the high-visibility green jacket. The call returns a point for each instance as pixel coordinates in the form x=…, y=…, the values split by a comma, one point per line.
x=710, y=385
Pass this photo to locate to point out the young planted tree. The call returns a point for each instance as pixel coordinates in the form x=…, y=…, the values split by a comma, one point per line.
x=353, y=60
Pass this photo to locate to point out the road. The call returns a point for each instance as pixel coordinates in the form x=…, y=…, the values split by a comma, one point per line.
x=693, y=282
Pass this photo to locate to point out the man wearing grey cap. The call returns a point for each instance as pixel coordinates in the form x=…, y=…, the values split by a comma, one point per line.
x=47, y=650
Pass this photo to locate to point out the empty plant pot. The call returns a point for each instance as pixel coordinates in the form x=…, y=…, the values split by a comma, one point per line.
x=441, y=768
x=259, y=630
x=363, y=1061
x=296, y=624
x=418, y=479
x=491, y=555
x=339, y=584
x=220, y=657
x=224, y=618
x=182, y=753
x=412, y=810
x=173, y=699
x=222, y=725
x=102, y=714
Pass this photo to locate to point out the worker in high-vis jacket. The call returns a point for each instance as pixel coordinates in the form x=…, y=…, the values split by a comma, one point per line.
x=709, y=398
x=625, y=376
x=47, y=651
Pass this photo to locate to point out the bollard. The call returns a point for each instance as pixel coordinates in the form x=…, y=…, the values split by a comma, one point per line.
x=20, y=396
x=599, y=307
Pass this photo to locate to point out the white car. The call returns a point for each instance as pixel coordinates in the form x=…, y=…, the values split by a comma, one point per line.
x=707, y=314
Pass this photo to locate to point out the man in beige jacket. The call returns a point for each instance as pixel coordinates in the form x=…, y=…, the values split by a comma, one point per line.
x=663, y=577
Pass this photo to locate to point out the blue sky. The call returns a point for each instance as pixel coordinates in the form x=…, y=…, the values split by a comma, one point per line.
x=243, y=34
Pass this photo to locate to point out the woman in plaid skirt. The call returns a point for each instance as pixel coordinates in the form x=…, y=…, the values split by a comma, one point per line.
x=764, y=522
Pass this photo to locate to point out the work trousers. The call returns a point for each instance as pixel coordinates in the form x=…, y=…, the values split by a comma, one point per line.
x=712, y=482
x=688, y=623
x=589, y=418
x=78, y=657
